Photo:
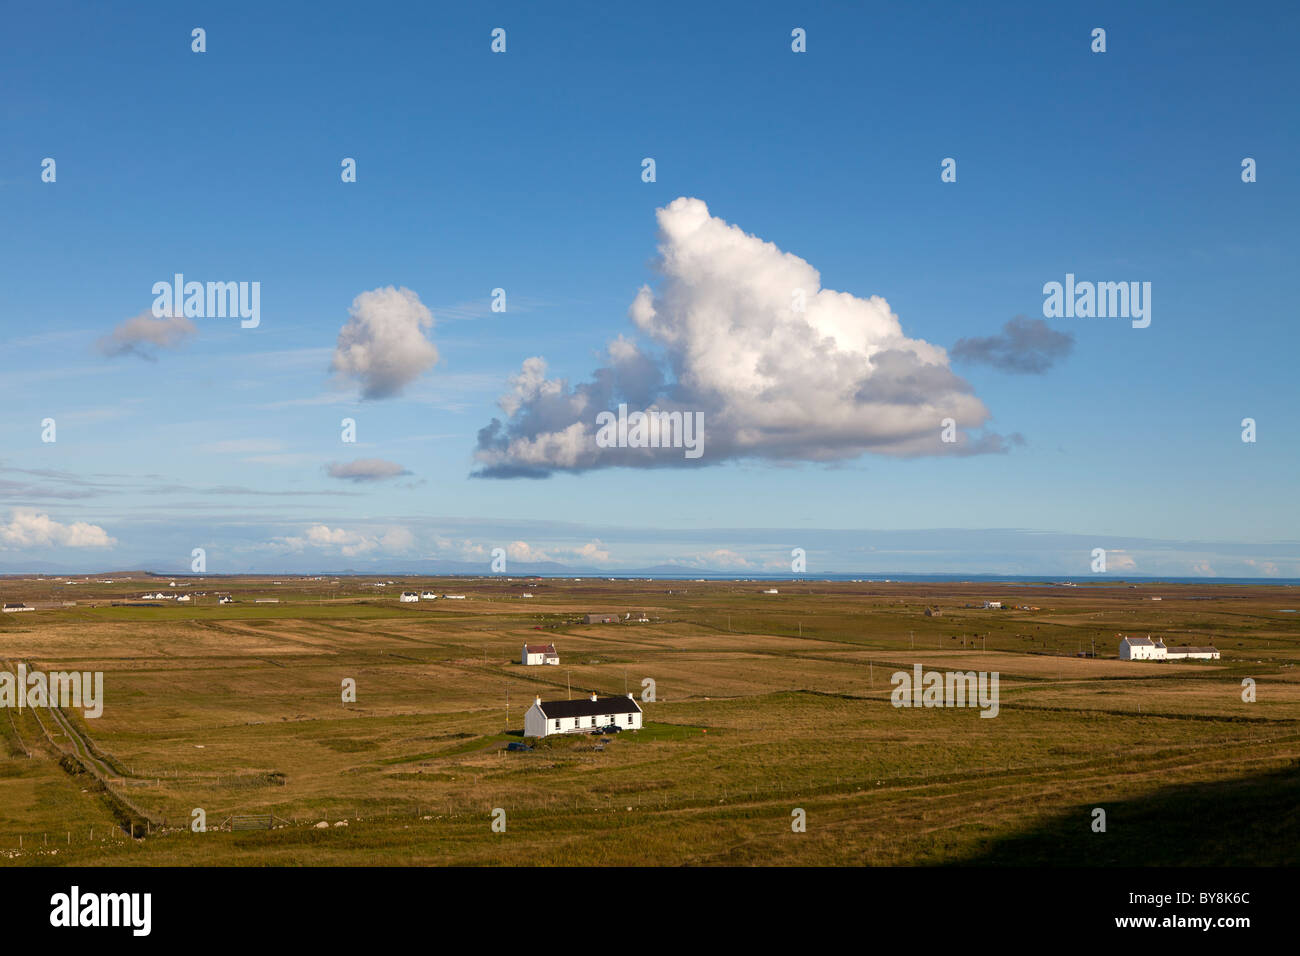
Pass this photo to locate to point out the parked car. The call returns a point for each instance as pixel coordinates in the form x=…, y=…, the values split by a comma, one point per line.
x=611, y=729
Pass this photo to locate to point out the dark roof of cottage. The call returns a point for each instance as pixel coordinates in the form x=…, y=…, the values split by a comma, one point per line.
x=1193, y=650
x=586, y=707
x=539, y=648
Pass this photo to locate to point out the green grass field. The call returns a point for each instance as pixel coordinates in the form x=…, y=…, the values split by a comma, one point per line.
x=764, y=704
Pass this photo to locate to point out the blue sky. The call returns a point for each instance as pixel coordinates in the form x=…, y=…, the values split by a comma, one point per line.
x=522, y=171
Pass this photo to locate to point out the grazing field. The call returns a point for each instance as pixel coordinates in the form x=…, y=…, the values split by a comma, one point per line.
x=763, y=704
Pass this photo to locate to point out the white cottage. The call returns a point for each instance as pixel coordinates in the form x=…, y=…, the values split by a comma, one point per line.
x=1141, y=649
x=539, y=654
x=428, y=596
x=581, y=716
x=409, y=597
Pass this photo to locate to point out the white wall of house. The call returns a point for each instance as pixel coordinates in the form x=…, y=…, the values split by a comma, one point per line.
x=1130, y=651
x=535, y=721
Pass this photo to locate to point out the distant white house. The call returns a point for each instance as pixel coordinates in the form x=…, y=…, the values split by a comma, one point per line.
x=1192, y=653
x=637, y=617
x=409, y=597
x=771, y=591
x=453, y=597
x=539, y=654
x=993, y=604
x=525, y=595
x=183, y=597
x=1141, y=649
x=428, y=596
x=227, y=600
x=581, y=716
x=15, y=608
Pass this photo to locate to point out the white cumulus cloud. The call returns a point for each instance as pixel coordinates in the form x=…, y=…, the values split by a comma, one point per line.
x=383, y=344
x=744, y=333
x=28, y=528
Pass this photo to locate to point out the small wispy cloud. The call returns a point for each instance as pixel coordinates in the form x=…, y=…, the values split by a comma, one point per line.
x=1026, y=346
x=365, y=469
x=143, y=335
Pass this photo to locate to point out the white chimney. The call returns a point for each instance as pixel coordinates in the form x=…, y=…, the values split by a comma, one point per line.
x=537, y=701
x=629, y=695
x=593, y=695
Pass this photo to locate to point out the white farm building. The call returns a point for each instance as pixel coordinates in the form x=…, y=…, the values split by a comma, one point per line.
x=539, y=654
x=581, y=716
x=409, y=597
x=428, y=596
x=1145, y=649
x=1192, y=653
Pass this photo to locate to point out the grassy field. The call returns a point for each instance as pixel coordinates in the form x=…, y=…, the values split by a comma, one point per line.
x=764, y=704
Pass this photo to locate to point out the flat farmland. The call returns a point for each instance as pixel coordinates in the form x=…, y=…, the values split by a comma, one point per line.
x=762, y=705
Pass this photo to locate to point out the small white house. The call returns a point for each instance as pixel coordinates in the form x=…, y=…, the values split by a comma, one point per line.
x=993, y=604
x=771, y=591
x=183, y=597
x=453, y=597
x=581, y=716
x=539, y=654
x=1141, y=649
x=409, y=597
x=227, y=600
x=15, y=608
x=428, y=596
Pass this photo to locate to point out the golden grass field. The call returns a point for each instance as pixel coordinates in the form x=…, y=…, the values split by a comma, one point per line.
x=764, y=704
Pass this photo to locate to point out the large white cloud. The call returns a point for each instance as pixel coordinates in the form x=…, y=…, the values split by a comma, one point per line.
x=831, y=380
x=383, y=344
x=28, y=528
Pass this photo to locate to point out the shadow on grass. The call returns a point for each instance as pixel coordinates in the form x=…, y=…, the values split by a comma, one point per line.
x=1245, y=821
